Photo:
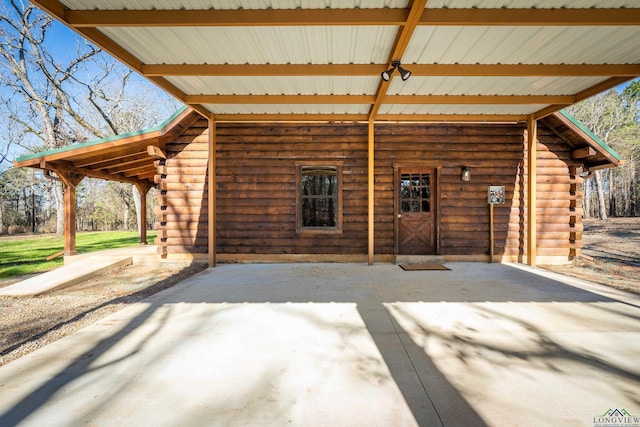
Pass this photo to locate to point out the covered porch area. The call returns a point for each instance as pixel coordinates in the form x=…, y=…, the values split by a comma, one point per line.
x=344, y=344
x=132, y=158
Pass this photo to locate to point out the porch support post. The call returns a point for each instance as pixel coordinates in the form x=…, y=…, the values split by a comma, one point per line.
x=532, y=139
x=211, y=194
x=142, y=191
x=371, y=189
x=70, y=220
x=70, y=181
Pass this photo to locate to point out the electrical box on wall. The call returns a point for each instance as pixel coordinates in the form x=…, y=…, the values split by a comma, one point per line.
x=495, y=195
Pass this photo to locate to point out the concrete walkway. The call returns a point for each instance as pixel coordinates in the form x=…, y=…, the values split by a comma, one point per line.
x=79, y=268
x=343, y=345
x=65, y=276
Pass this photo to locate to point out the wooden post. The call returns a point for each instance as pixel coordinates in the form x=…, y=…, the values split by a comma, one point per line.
x=142, y=191
x=211, y=196
x=532, y=139
x=70, y=220
x=70, y=181
x=491, y=232
x=371, y=189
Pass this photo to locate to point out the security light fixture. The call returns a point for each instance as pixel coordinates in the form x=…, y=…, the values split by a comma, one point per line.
x=386, y=75
x=404, y=74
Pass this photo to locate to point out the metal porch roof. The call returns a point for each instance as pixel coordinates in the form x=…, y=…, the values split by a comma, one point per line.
x=471, y=60
x=123, y=158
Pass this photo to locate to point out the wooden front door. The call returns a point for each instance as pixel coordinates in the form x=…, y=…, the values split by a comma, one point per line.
x=416, y=211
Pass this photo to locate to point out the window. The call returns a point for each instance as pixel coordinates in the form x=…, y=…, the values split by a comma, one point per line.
x=319, y=198
x=416, y=192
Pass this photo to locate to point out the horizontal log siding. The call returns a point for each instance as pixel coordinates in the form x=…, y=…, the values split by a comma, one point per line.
x=495, y=155
x=256, y=190
x=181, y=210
x=559, y=231
x=256, y=196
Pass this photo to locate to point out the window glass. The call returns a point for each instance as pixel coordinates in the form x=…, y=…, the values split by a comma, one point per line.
x=319, y=197
x=415, y=192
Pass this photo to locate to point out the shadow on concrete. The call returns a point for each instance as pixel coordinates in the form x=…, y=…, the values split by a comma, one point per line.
x=426, y=327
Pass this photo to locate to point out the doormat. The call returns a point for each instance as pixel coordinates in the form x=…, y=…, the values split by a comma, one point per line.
x=417, y=267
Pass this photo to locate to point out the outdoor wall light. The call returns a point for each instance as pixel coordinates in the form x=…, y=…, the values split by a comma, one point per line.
x=404, y=74
x=466, y=174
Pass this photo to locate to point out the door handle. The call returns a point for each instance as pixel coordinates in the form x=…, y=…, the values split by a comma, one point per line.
x=399, y=215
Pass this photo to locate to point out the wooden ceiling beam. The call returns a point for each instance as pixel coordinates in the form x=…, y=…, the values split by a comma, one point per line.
x=116, y=146
x=389, y=99
x=223, y=118
x=141, y=171
x=310, y=17
x=479, y=99
x=60, y=12
x=69, y=167
x=120, y=162
x=57, y=10
x=113, y=158
x=583, y=153
x=403, y=37
x=456, y=70
x=263, y=69
x=148, y=176
x=337, y=118
x=452, y=118
x=130, y=166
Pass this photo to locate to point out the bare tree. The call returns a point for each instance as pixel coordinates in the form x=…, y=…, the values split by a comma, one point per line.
x=31, y=73
x=53, y=101
x=612, y=116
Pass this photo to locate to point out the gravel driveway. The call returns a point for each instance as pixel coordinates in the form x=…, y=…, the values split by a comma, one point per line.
x=28, y=323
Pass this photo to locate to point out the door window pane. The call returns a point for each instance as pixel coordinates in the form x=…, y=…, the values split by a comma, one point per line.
x=415, y=192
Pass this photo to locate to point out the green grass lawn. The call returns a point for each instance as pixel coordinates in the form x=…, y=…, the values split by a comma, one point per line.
x=28, y=255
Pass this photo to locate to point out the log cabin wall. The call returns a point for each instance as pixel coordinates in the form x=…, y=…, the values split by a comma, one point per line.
x=256, y=206
x=495, y=156
x=559, y=207
x=181, y=209
x=256, y=190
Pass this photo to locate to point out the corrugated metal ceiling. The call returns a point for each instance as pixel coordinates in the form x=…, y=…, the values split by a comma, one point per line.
x=524, y=45
x=292, y=85
x=230, y=4
x=335, y=4
x=525, y=4
x=257, y=45
x=152, y=40
x=438, y=85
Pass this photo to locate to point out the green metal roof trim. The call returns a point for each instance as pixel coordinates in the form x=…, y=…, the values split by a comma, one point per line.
x=591, y=135
x=103, y=140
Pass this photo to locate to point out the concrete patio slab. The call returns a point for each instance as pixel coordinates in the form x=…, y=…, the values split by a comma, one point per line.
x=343, y=345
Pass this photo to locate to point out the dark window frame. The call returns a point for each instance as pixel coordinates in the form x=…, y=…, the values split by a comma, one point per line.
x=300, y=172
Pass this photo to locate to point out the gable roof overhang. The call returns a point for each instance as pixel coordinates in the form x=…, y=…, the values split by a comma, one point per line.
x=587, y=148
x=493, y=60
x=125, y=158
